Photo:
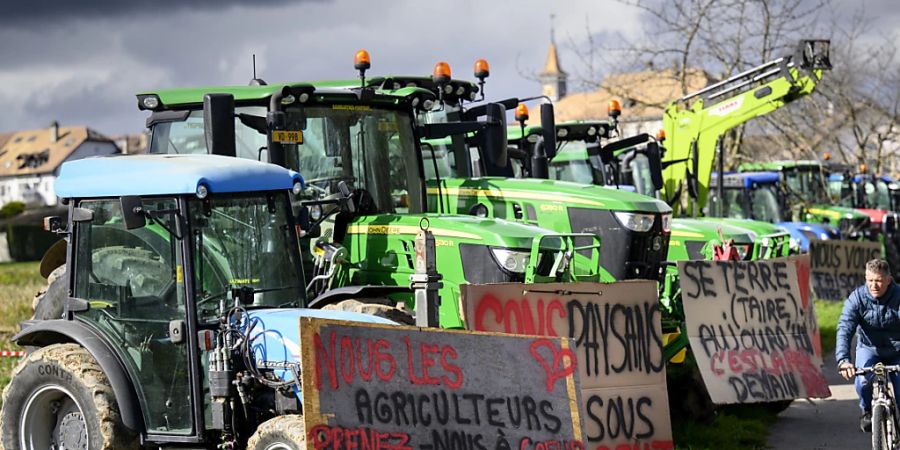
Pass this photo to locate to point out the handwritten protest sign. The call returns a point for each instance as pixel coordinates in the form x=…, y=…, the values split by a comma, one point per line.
x=839, y=267
x=618, y=343
x=801, y=263
x=749, y=330
x=377, y=387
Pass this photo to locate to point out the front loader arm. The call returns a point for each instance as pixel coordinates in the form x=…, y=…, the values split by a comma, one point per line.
x=706, y=116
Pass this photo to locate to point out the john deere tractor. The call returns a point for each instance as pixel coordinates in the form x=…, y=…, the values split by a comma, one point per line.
x=358, y=147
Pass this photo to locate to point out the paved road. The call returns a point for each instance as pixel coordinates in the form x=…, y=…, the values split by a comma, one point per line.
x=831, y=423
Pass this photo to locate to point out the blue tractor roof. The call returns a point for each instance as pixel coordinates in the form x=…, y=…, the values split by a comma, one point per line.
x=169, y=175
x=746, y=179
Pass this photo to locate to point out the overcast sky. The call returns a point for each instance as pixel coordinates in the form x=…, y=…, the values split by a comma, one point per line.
x=81, y=63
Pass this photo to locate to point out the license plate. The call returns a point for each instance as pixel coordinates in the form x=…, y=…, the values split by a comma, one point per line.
x=287, y=137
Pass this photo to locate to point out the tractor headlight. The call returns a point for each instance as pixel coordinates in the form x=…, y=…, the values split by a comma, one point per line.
x=297, y=187
x=635, y=221
x=511, y=260
x=202, y=191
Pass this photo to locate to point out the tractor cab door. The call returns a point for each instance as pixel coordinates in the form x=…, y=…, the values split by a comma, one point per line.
x=133, y=282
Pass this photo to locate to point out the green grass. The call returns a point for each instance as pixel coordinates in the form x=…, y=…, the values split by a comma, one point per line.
x=19, y=282
x=734, y=427
x=827, y=314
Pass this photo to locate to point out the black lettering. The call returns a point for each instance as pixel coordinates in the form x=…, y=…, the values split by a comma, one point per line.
x=547, y=412
x=363, y=406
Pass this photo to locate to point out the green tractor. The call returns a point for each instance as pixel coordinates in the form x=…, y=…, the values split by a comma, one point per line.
x=358, y=147
x=180, y=324
x=805, y=189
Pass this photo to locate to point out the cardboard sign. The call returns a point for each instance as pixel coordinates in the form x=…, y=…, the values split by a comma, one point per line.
x=749, y=331
x=839, y=267
x=371, y=387
x=618, y=343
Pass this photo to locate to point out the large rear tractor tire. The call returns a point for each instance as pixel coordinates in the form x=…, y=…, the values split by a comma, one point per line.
x=50, y=302
x=280, y=433
x=379, y=307
x=58, y=398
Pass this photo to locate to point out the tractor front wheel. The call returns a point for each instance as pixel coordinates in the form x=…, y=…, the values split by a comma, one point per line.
x=59, y=397
x=281, y=433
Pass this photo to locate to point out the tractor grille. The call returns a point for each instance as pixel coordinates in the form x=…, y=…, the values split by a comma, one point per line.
x=624, y=253
x=854, y=228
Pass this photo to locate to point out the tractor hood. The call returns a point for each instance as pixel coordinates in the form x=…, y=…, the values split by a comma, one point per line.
x=550, y=191
x=701, y=230
x=276, y=332
x=459, y=228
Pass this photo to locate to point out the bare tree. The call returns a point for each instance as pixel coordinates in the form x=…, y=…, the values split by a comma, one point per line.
x=856, y=113
x=720, y=37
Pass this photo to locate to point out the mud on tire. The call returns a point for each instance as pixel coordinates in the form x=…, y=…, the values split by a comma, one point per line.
x=60, y=397
x=280, y=433
x=379, y=307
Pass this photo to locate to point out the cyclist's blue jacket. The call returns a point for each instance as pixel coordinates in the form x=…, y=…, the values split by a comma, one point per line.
x=875, y=321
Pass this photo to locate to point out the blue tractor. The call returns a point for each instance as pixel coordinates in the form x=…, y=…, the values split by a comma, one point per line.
x=758, y=196
x=179, y=327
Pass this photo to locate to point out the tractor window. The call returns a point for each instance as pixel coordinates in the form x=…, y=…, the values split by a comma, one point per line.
x=186, y=137
x=244, y=242
x=371, y=150
x=733, y=206
x=764, y=203
x=877, y=195
x=133, y=281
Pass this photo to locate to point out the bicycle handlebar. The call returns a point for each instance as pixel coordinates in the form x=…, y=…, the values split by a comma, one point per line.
x=867, y=370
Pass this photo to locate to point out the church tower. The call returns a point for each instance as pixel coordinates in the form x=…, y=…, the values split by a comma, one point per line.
x=553, y=79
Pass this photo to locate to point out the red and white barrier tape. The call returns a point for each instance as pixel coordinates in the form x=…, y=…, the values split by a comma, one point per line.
x=11, y=354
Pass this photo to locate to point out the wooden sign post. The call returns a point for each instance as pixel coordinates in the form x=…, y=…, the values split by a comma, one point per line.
x=839, y=267
x=618, y=343
x=378, y=387
x=748, y=326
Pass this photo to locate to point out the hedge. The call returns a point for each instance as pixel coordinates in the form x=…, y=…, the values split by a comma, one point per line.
x=28, y=242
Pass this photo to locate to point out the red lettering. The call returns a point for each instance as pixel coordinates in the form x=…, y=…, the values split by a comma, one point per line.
x=384, y=357
x=559, y=368
x=323, y=356
x=451, y=368
x=554, y=305
x=324, y=437
x=713, y=363
x=410, y=370
x=488, y=303
x=347, y=359
x=366, y=375
x=428, y=361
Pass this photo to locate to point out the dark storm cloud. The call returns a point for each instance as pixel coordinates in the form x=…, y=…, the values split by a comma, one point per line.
x=50, y=13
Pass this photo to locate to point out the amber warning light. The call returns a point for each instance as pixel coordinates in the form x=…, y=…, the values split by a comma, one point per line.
x=482, y=69
x=361, y=61
x=614, y=108
x=441, y=72
x=661, y=135
x=521, y=112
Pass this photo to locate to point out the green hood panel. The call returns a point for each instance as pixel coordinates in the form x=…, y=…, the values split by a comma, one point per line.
x=835, y=213
x=454, y=228
x=551, y=191
x=685, y=229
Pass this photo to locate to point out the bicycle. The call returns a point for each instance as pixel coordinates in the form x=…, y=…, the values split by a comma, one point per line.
x=884, y=410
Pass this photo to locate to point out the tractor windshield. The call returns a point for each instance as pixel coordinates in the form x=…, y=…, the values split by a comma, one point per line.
x=764, y=203
x=244, y=242
x=572, y=163
x=806, y=185
x=372, y=150
x=877, y=195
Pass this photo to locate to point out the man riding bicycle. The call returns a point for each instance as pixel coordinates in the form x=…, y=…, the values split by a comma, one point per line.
x=872, y=311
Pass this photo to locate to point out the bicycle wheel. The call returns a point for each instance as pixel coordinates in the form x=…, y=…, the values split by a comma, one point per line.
x=880, y=416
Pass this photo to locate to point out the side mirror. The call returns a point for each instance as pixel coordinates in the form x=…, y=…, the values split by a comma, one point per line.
x=495, y=135
x=654, y=159
x=133, y=212
x=548, y=129
x=218, y=124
